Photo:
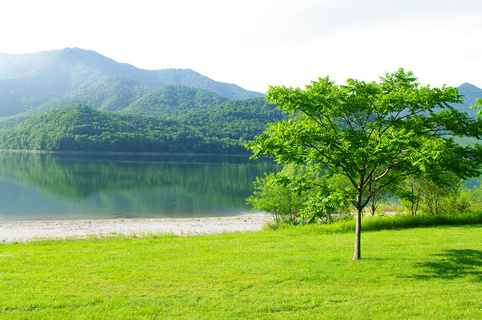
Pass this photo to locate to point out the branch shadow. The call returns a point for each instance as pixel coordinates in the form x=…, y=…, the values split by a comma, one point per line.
x=452, y=264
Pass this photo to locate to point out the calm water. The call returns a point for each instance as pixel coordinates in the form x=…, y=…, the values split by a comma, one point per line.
x=66, y=187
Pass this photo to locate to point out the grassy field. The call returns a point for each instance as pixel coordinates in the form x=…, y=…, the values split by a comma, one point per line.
x=291, y=273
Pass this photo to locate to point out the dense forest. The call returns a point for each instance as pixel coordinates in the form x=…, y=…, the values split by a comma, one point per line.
x=79, y=100
x=130, y=97
x=219, y=130
x=173, y=100
x=30, y=80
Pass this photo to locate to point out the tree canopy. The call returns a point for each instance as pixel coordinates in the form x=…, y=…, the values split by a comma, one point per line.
x=223, y=129
x=373, y=133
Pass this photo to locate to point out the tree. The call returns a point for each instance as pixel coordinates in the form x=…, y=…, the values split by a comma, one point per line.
x=290, y=198
x=429, y=191
x=373, y=133
x=278, y=194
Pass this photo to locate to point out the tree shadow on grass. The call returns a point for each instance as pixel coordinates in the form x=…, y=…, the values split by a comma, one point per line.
x=452, y=264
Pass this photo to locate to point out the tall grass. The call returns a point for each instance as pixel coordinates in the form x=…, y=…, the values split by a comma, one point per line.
x=403, y=221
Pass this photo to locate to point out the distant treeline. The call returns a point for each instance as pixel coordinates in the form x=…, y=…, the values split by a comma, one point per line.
x=223, y=129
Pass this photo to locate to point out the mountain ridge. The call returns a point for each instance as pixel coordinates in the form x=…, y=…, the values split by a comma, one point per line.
x=219, y=130
x=30, y=80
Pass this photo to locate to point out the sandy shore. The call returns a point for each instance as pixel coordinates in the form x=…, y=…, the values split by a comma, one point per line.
x=23, y=231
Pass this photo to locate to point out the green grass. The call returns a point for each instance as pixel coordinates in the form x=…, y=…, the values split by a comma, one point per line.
x=291, y=273
x=403, y=221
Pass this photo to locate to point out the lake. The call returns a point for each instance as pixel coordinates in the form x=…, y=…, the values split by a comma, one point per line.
x=73, y=187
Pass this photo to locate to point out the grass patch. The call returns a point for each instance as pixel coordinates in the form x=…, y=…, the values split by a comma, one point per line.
x=402, y=221
x=292, y=273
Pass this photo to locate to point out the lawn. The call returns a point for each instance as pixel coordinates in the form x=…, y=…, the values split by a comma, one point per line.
x=292, y=273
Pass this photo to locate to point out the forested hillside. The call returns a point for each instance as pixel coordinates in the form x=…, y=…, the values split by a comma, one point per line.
x=130, y=97
x=172, y=101
x=83, y=128
x=240, y=119
x=470, y=93
x=184, y=111
x=30, y=80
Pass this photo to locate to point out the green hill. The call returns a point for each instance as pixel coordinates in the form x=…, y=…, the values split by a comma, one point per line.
x=470, y=93
x=239, y=119
x=30, y=80
x=111, y=94
x=219, y=130
x=173, y=100
x=82, y=128
x=130, y=97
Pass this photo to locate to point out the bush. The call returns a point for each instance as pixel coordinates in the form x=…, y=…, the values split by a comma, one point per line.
x=277, y=195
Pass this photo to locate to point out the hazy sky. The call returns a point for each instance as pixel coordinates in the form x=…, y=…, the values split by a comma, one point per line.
x=256, y=43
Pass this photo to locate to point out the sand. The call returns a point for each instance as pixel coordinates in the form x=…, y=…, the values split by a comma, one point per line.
x=22, y=231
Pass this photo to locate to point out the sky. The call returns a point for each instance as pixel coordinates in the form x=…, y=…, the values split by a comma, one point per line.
x=258, y=43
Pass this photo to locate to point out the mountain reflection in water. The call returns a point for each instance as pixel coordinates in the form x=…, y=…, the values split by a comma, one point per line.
x=68, y=186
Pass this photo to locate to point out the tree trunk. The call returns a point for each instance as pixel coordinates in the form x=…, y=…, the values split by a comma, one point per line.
x=357, y=255
x=358, y=217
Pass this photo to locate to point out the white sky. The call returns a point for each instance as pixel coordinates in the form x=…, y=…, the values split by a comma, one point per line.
x=256, y=43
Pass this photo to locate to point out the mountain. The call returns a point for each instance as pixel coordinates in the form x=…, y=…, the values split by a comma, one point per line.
x=130, y=97
x=240, y=119
x=172, y=100
x=470, y=93
x=112, y=94
x=82, y=128
x=30, y=80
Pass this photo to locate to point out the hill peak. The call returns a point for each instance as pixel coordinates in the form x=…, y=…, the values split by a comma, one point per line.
x=30, y=80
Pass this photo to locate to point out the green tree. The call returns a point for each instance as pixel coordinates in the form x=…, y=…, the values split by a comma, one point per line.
x=373, y=133
x=429, y=191
x=280, y=194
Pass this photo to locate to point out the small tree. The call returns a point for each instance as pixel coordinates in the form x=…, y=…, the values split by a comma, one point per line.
x=440, y=188
x=410, y=193
x=299, y=195
x=427, y=191
x=372, y=133
x=282, y=194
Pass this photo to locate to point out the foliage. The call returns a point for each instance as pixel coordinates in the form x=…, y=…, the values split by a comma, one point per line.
x=30, y=80
x=328, y=198
x=240, y=119
x=280, y=194
x=372, y=133
x=290, y=197
x=403, y=221
x=287, y=274
x=429, y=192
x=81, y=128
x=173, y=100
x=465, y=200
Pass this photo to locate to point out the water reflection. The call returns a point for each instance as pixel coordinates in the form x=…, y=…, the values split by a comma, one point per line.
x=47, y=186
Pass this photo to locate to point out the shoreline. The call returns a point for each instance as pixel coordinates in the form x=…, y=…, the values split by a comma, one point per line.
x=122, y=153
x=24, y=231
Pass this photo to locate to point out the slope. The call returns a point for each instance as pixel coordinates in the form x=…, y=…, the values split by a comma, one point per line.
x=82, y=128
x=173, y=100
x=130, y=97
x=222, y=130
x=29, y=80
x=470, y=93
x=239, y=119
